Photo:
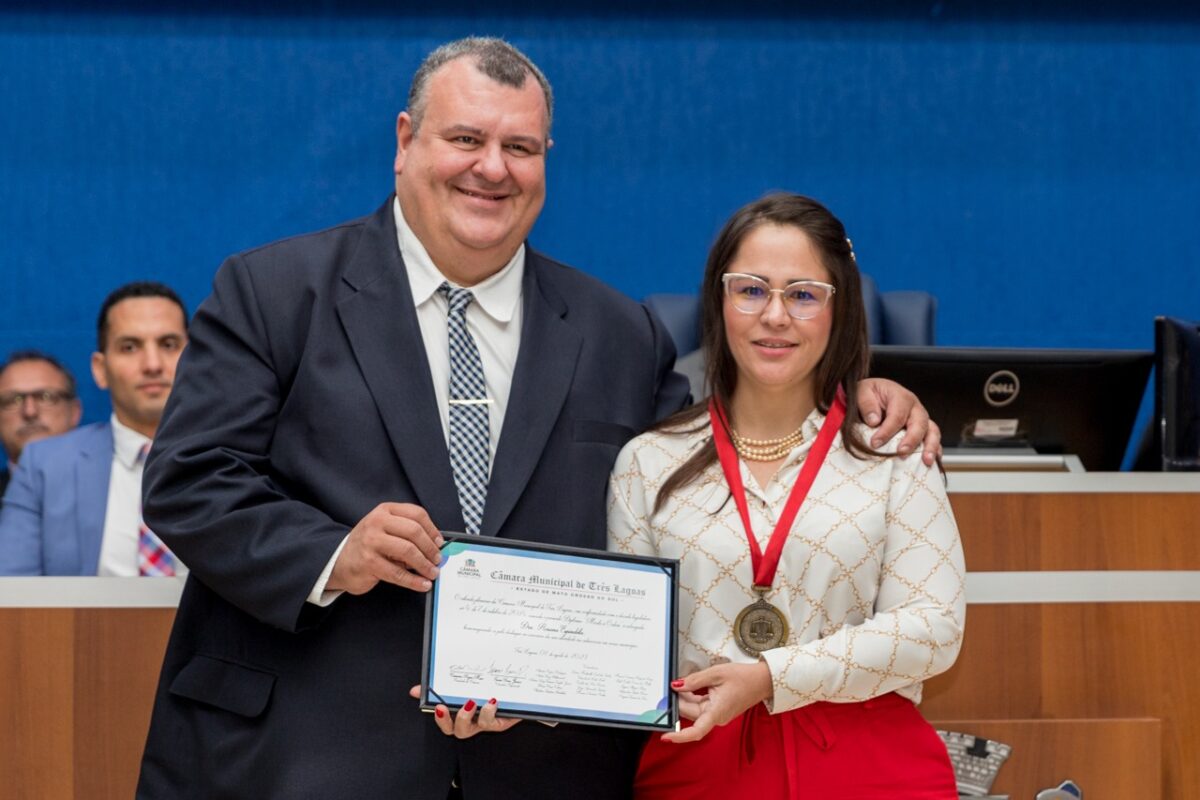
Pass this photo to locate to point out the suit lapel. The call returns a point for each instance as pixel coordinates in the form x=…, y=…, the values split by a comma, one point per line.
x=93, y=469
x=542, y=377
x=381, y=325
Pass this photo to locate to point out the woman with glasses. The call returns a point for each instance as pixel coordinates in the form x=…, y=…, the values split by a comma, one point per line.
x=821, y=581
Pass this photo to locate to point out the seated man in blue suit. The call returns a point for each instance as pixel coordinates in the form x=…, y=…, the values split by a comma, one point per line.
x=73, y=506
x=37, y=400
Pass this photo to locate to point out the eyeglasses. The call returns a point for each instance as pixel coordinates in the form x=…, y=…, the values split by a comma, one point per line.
x=41, y=397
x=751, y=295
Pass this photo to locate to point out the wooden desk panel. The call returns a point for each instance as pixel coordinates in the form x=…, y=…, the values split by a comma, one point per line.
x=76, y=690
x=119, y=654
x=1107, y=758
x=1083, y=660
x=1076, y=531
x=37, y=670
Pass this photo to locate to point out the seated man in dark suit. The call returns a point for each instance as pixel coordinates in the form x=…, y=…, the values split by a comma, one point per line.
x=347, y=394
x=74, y=504
x=37, y=399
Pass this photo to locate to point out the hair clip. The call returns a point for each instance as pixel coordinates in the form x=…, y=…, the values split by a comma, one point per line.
x=851, y=245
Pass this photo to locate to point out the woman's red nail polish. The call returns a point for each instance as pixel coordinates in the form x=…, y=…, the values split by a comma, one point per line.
x=439, y=713
x=492, y=702
x=470, y=706
x=677, y=684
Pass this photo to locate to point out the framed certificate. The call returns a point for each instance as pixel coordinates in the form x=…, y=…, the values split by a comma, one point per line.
x=554, y=633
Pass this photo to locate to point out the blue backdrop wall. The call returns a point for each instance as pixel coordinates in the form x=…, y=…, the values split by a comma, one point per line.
x=1036, y=167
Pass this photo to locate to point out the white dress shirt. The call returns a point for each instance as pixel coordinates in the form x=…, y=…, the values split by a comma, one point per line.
x=871, y=579
x=493, y=319
x=123, y=511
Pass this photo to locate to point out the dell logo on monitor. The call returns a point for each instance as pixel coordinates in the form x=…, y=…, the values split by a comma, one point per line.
x=1001, y=388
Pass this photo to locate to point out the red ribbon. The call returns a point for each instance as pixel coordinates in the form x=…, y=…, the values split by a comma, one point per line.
x=764, y=568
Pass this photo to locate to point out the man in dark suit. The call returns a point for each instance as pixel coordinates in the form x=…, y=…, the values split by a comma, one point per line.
x=316, y=445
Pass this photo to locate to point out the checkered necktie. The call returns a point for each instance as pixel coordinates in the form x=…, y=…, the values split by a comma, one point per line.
x=468, y=411
x=154, y=559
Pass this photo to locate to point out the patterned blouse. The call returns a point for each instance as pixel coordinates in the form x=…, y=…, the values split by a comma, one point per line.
x=871, y=579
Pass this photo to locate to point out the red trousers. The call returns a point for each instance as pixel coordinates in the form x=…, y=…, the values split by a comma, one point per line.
x=875, y=750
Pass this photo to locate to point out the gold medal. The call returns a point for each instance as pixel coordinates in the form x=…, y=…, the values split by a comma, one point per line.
x=759, y=627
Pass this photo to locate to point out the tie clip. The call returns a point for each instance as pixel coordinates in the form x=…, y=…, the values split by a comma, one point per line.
x=475, y=401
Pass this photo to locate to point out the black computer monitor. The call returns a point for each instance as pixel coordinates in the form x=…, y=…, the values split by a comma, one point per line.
x=1080, y=402
x=1177, y=393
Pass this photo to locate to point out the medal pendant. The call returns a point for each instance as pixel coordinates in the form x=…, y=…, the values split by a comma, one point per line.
x=759, y=627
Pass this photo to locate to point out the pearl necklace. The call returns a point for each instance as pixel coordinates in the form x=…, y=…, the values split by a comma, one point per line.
x=767, y=449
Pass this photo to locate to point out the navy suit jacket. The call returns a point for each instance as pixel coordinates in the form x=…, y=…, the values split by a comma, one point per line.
x=53, y=517
x=304, y=399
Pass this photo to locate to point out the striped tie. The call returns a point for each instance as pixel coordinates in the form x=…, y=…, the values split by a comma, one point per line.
x=468, y=411
x=154, y=559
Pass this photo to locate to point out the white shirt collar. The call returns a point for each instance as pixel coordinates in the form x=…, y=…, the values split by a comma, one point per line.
x=497, y=296
x=127, y=443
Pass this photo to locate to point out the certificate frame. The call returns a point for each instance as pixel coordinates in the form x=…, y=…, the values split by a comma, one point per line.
x=647, y=667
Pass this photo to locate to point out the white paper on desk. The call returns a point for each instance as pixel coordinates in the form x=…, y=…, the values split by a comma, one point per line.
x=552, y=634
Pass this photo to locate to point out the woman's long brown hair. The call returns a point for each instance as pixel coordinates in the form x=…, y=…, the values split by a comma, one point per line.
x=846, y=358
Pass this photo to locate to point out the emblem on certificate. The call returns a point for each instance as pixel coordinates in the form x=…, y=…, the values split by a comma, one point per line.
x=759, y=627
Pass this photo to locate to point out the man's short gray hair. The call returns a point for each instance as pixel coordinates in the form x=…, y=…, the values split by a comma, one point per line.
x=494, y=57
